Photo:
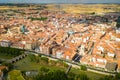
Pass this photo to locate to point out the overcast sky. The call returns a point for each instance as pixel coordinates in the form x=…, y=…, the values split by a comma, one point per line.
x=59, y=1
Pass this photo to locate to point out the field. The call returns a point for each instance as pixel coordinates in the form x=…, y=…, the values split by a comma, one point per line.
x=9, y=7
x=13, y=7
x=85, y=8
x=26, y=65
x=72, y=8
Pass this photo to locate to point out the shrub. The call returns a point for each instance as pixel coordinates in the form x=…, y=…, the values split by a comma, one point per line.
x=10, y=51
x=15, y=75
x=45, y=59
x=83, y=67
x=41, y=18
x=118, y=22
x=52, y=62
x=9, y=65
x=61, y=63
x=81, y=76
x=117, y=76
x=34, y=58
x=44, y=69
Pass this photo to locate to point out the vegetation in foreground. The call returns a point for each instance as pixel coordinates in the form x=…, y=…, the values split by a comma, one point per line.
x=49, y=74
x=35, y=63
x=50, y=70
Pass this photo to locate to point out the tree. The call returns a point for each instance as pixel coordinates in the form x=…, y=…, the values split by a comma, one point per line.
x=40, y=19
x=5, y=71
x=93, y=13
x=118, y=22
x=51, y=75
x=52, y=62
x=44, y=69
x=117, y=76
x=56, y=75
x=107, y=78
x=15, y=75
x=83, y=67
x=10, y=51
x=9, y=65
x=61, y=63
x=34, y=58
x=44, y=59
x=71, y=76
x=81, y=76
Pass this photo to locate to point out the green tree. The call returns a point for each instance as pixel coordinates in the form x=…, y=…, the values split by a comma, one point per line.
x=83, y=67
x=93, y=13
x=34, y=58
x=71, y=76
x=10, y=51
x=50, y=75
x=81, y=76
x=44, y=59
x=5, y=71
x=107, y=78
x=9, y=65
x=52, y=62
x=118, y=22
x=117, y=76
x=61, y=63
x=44, y=69
x=56, y=75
